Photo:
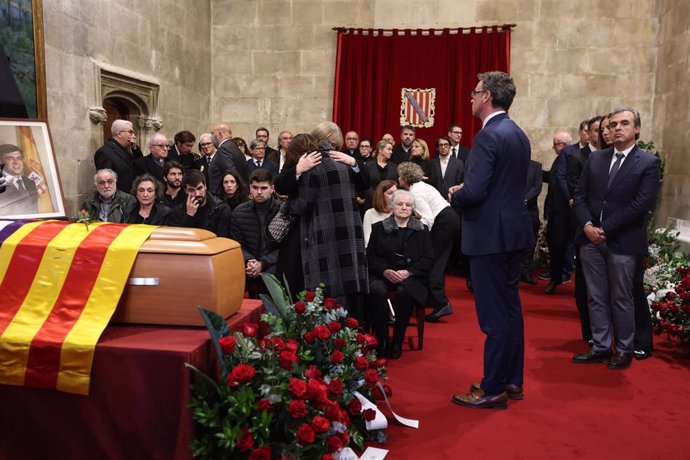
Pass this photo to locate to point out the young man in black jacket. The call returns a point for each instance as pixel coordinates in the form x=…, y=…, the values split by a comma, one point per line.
x=201, y=209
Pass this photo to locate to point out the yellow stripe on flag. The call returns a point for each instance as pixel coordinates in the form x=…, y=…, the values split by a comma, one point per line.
x=45, y=289
x=79, y=345
x=9, y=245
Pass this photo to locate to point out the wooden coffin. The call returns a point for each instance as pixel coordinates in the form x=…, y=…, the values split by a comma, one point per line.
x=179, y=269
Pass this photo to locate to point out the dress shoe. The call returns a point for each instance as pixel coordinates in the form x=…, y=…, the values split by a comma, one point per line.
x=551, y=288
x=544, y=276
x=567, y=279
x=620, y=361
x=641, y=354
x=528, y=279
x=478, y=400
x=438, y=313
x=468, y=282
x=395, y=351
x=592, y=357
x=514, y=391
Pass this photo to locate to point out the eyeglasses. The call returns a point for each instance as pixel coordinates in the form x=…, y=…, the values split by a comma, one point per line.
x=444, y=145
x=556, y=144
x=205, y=144
x=474, y=93
x=457, y=132
x=259, y=148
x=163, y=146
x=130, y=131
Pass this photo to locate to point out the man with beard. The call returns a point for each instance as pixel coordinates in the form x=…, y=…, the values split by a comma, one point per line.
x=201, y=209
x=174, y=194
x=401, y=152
x=107, y=203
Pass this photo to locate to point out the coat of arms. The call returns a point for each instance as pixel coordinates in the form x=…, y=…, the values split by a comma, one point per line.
x=417, y=107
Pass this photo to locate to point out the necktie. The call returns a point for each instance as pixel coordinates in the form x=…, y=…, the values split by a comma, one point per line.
x=616, y=166
x=258, y=164
x=20, y=186
x=454, y=153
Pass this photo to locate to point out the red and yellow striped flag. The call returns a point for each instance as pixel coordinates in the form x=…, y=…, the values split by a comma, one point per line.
x=59, y=286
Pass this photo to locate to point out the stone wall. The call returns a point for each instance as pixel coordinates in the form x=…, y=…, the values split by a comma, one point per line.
x=672, y=110
x=167, y=42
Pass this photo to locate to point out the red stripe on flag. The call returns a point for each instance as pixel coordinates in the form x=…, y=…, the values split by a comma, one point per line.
x=44, y=355
x=20, y=273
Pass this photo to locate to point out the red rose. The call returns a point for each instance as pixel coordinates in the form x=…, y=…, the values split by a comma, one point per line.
x=352, y=323
x=378, y=363
x=316, y=390
x=371, y=376
x=262, y=453
x=286, y=359
x=345, y=437
x=369, y=414
x=360, y=338
x=334, y=444
x=300, y=307
x=309, y=337
x=313, y=372
x=297, y=408
x=228, y=344
x=361, y=363
x=327, y=457
x=670, y=295
x=305, y=434
x=297, y=387
x=320, y=424
x=339, y=344
x=292, y=345
x=337, y=356
x=264, y=405
x=333, y=412
x=370, y=340
x=242, y=373
x=329, y=303
x=335, y=388
x=322, y=332
x=249, y=329
x=278, y=343
x=355, y=406
x=333, y=326
x=309, y=296
x=246, y=441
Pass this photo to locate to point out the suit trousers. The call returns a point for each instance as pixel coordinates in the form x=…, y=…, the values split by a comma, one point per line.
x=643, y=317
x=445, y=230
x=609, y=292
x=557, y=239
x=377, y=304
x=496, y=279
x=581, y=298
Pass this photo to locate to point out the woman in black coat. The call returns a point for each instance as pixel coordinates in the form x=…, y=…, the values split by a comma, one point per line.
x=148, y=209
x=400, y=257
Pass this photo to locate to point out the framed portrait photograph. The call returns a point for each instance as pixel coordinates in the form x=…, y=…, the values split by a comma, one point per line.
x=30, y=187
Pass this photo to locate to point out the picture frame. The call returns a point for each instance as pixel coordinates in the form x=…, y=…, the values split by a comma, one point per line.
x=32, y=189
x=21, y=35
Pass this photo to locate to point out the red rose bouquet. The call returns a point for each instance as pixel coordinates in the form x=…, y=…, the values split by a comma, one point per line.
x=286, y=386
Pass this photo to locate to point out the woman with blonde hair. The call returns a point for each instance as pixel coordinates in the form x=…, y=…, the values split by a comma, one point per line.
x=419, y=155
x=381, y=167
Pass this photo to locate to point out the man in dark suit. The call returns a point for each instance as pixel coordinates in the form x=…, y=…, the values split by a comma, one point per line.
x=117, y=153
x=259, y=160
x=262, y=134
x=496, y=228
x=351, y=146
x=557, y=211
x=534, y=183
x=617, y=189
x=154, y=162
x=18, y=194
x=446, y=170
x=457, y=150
x=401, y=152
x=182, y=149
x=227, y=157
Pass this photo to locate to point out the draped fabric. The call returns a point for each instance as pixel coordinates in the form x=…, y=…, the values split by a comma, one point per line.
x=373, y=66
x=59, y=286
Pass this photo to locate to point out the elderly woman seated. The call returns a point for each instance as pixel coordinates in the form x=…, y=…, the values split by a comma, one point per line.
x=400, y=257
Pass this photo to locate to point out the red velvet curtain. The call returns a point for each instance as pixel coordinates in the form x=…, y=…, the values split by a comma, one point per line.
x=372, y=67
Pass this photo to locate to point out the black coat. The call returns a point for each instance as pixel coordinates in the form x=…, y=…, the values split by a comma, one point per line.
x=214, y=216
x=265, y=164
x=398, y=249
x=454, y=174
x=159, y=215
x=148, y=165
x=534, y=186
x=247, y=230
x=114, y=156
x=227, y=157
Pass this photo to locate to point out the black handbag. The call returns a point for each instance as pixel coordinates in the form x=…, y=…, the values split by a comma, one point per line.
x=279, y=226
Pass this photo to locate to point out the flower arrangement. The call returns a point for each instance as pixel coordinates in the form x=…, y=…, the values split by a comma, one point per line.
x=286, y=386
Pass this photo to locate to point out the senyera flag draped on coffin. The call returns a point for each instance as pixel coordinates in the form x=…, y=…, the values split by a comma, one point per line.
x=59, y=286
x=385, y=79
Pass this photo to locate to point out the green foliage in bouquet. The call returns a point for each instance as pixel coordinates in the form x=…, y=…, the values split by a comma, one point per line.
x=286, y=385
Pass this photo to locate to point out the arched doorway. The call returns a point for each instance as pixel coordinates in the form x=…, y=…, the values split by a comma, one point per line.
x=114, y=110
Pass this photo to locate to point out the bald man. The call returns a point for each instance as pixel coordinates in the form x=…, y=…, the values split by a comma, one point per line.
x=227, y=157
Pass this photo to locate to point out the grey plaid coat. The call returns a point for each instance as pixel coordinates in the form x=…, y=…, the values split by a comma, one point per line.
x=331, y=228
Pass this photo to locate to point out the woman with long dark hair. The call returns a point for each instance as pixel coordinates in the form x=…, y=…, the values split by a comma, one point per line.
x=148, y=208
x=233, y=189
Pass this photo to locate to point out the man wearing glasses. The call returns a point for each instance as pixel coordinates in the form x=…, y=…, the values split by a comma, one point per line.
x=259, y=160
x=456, y=150
x=154, y=162
x=119, y=153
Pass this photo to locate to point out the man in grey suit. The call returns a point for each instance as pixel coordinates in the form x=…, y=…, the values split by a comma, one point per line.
x=227, y=157
x=617, y=189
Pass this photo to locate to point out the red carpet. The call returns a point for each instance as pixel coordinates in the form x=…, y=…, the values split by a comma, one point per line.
x=569, y=411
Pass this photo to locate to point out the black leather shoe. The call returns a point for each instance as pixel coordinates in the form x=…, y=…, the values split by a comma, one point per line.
x=641, y=354
x=528, y=279
x=544, y=276
x=439, y=313
x=592, y=357
x=514, y=391
x=396, y=351
x=620, y=361
x=551, y=288
x=478, y=400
